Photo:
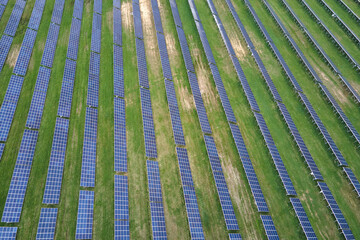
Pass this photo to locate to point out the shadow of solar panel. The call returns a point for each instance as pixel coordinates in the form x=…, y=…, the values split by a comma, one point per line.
x=304, y=221
x=120, y=156
x=50, y=46
x=47, y=223
x=78, y=9
x=85, y=215
x=122, y=230
x=57, y=11
x=19, y=180
x=269, y=226
x=121, y=198
x=22, y=61
x=5, y=44
x=8, y=233
x=74, y=38
x=15, y=17
x=56, y=164
x=117, y=38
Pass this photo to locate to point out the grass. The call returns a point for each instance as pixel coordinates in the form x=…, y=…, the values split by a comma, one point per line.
x=209, y=204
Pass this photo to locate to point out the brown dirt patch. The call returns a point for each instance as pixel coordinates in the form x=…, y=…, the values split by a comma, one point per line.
x=237, y=45
x=126, y=15
x=186, y=99
x=13, y=55
x=338, y=91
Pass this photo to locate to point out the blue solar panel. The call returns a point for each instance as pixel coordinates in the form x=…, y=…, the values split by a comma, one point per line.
x=2, y=9
x=98, y=6
x=56, y=164
x=354, y=181
x=121, y=198
x=74, y=39
x=269, y=226
x=2, y=146
x=29, y=38
x=36, y=14
x=141, y=63
x=50, y=45
x=47, y=224
x=78, y=9
x=22, y=61
x=96, y=33
x=235, y=236
x=304, y=221
x=122, y=230
x=93, y=91
x=8, y=233
x=19, y=180
x=58, y=11
x=89, y=149
x=117, y=26
x=156, y=206
x=137, y=21
x=67, y=89
x=175, y=13
x=117, y=3
x=94, y=64
x=148, y=124
x=118, y=72
x=85, y=215
x=5, y=44
x=120, y=156
x=15, y=17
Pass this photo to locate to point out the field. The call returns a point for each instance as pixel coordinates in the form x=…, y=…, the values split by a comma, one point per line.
x=212, y=218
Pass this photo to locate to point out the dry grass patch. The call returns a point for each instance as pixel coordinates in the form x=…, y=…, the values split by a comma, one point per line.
x=13, y=55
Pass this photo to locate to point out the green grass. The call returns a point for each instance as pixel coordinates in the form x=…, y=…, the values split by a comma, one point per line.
x=209, y=204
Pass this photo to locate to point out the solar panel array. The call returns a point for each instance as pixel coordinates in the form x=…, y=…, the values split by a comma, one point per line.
x=47, y=223
x=8, y=233
x=339, y=217
x=317, y=79
x=20, y=177
x=2, y=9
x=56, y=164
x=316, y=119
x=341, y=23
x=322, y=52
x=67, y=87
x=121, y=195
x=221, y=186
x=352, y=178
x=304, y=221
x=156, y=205
x=85, y=215
x=330, y=34
x=10, y=30
x=351, y=12
x=244, y=156
x=269, y=226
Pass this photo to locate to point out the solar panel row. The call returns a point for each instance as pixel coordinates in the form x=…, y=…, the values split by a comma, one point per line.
x=74, y=39
x=85, y=215
x=78, y=9
x=66, y=93
x=8, y=233
x=117, y=38
x=20, y=177
x=9, y=104
x=118, y=72
x=96, y=33
x=137, y=21
x=57, y=12
x=351, y=12
x=141, y=63
x=317, y=79
x=89, y=149
x=2, y=9
x=339, y=217
x=121, y=198
x=148, y=124
x=192, y=208
x=15, y=17
x=120, y=155
x=330, y=34
x=50, y=45
x=56, y=164
x=269, y=226
x=219, y=178
x=304, y=221
x=353, y=180
x=47, y=224
x=36, y=15
x=156, y=206
x=235, y=236
x=5, y=44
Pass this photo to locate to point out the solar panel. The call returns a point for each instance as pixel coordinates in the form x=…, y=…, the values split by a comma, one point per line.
x=351, y=176
x=122, y=230
x=141, y=63
x=74, y=38
x=5, y=44
x=36, y=15
x=85, y=215
x=94, y=64
x=22, y=61
x=98, y=6
x=117, y=25
x=78, y=9
x=269, y=226
x=15, y=17
x=8, y=233
x=96, y=33
x=121, y=198
x=57, y=11
x=2, y=146
x=304, y=221
x=235, y=236
x=67, y=88
x=29, y=38
x=117, y=3
x=156, y=206
x=56, y=164
x=118, y=72
x=89, y=149
x=120, y=156
x=19, y=180
x=2, y=9
x=50, y=45
x=47, y=223
x=137, y=21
